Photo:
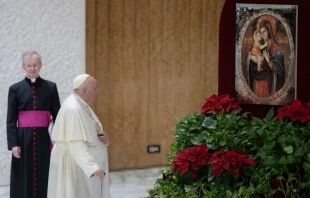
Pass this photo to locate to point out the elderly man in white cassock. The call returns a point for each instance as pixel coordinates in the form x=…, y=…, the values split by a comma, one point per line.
x=79, y=159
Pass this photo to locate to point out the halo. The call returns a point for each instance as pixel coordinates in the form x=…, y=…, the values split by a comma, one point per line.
x=271, y=20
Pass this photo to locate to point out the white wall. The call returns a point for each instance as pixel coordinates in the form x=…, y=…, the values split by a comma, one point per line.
x=56, y=30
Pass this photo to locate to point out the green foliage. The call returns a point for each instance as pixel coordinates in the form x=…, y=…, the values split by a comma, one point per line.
x=280, y=149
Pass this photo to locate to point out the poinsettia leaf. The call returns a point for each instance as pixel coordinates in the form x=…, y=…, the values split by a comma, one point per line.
x=236, y=111
x=261, y=153
x=210, y=177
x=249, y=191
x=209, y=139
x=209, y=123
x=228, y=193
x=269, y=115
x=212, y=146
x=281, y=139
x=262, y=133
x=269, y=145
x=283, y=160
x=256, y=120
x=289, y=139
x=289, y=149
x=306, y=166
x=296, y=139
x=173, y=147
x=237, y=184
x=245, y=115
x=308, y=157
x=270, y=160
x=222, y=143
x=198, y=139
x=299, y=152
x=291, y=159
x=272, y=192
x=271, y=136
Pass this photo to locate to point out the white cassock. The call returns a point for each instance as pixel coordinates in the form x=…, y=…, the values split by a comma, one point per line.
x=77, y=153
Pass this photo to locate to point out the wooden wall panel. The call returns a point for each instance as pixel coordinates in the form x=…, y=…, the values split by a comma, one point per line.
x=91, y=37
x=167, y=80
x=154, y=64
x=116, y=84
x=154, y=60
x=211, y=61
x=129, y=86
x=182, y=72
x=142, y=57
x=196, y=94
x=102, y=63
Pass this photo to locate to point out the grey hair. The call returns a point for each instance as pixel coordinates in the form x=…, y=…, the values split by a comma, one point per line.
x=31, y=53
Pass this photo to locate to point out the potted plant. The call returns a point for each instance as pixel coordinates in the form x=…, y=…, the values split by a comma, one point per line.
x=222, y=152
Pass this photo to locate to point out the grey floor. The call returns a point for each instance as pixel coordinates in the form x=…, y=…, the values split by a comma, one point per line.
x=127, y=183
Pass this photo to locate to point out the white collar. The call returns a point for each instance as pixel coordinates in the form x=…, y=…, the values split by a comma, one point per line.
x=33, y=80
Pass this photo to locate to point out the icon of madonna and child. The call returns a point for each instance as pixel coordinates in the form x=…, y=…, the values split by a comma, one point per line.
x=265, y=57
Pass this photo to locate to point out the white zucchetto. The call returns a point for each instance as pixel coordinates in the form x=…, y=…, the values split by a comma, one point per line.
x=79, y=80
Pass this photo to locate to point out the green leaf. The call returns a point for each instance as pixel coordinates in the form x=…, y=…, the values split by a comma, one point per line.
x=268, y=146
x=198, y=139
x=272, y=192
x=262, y=133
x=306, y=166
x=288, y=149
x=249, y=191
x=283, y=160
x=270, y=160
x=299, y=152
x=261, y=153
x=223, y=143
x=228, y=193
x=211, y=177
x=209, y=123
x=173, y=147
x=269, y=115
x=291, y=159
x=282, y=139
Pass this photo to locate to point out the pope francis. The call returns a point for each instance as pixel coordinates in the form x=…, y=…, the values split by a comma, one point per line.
x=79, y=159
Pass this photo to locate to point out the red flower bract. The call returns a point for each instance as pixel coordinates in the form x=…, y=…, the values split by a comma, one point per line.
x=191, y=158
x=229, y=161
x=295, y=111
x=181, y=163
x=218, y=103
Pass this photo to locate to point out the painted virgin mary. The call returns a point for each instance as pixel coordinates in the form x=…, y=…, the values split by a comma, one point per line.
x=271, y=77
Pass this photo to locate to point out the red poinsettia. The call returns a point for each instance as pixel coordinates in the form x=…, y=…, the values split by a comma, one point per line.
x=229, y=161
x=308, y=106
x=218, y=103
x=191, y=158
x=282, y=113
x=295, y=111
x=181, y=163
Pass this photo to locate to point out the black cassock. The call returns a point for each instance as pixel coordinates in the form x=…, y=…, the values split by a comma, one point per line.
x=29, y=174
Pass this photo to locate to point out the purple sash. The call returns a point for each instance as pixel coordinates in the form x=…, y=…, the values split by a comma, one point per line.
x=34, y=118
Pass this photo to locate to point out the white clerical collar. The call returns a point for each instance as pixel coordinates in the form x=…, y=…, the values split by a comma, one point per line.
x=33, y=80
